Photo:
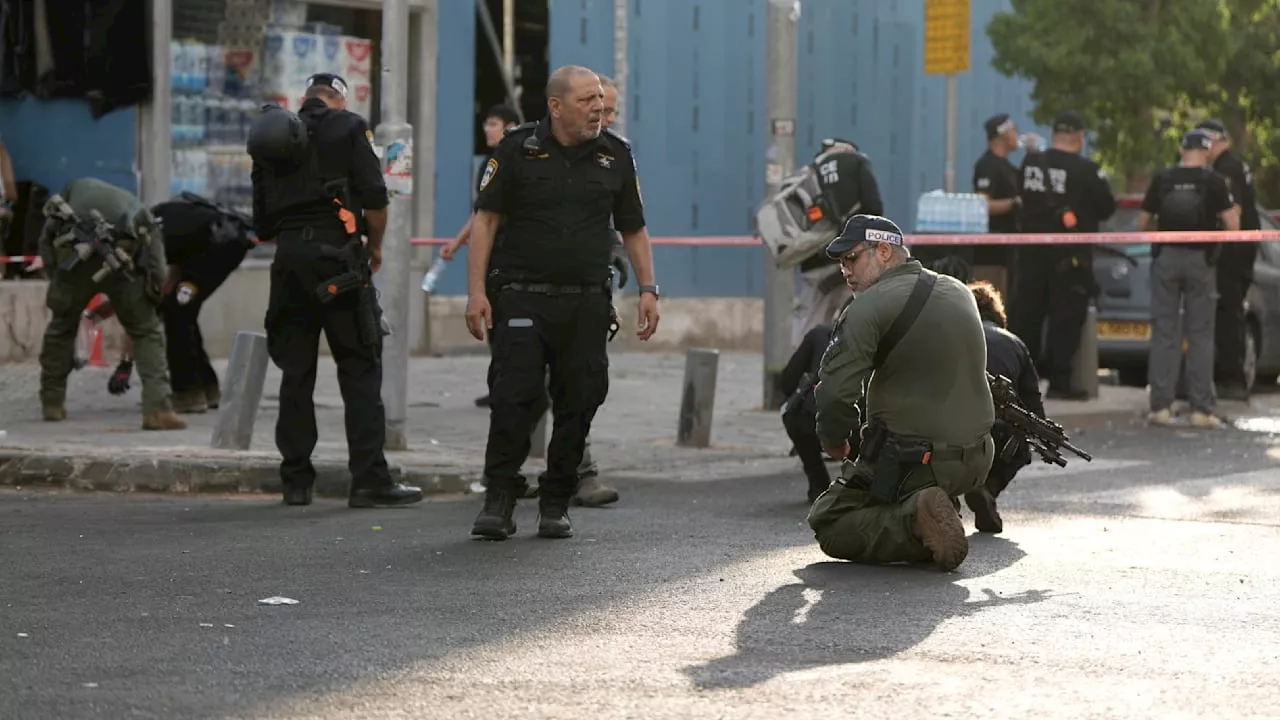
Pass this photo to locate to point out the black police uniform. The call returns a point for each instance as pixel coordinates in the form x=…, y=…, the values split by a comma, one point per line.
x=1061, y=192
x=207, y=243
x=997, y=178
x=298, y=211
x=1235, y=274
x=846, y=179
x=552, y=306
x=799, y=415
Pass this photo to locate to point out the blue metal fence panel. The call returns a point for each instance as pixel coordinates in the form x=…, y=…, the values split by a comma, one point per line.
x=55, y=141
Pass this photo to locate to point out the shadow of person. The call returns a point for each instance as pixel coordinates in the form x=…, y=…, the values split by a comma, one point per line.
x=842, y=612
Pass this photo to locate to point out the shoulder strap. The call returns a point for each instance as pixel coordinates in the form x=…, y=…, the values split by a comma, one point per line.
x=907, y=317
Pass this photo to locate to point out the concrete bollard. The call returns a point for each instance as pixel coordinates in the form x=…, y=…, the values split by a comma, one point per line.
x=699, y=397
x=1084, y=369
x=538, y=440
x=241, y=392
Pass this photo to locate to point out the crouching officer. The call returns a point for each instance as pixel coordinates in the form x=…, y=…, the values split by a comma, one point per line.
x=99, y=238
x=204, y=243
x=554, y=185
x=927, y=435
x=313, y=174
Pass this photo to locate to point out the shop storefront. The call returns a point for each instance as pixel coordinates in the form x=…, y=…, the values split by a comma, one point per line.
x=229, y=57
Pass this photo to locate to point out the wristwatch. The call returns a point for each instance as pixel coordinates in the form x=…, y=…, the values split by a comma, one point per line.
x=652, y=289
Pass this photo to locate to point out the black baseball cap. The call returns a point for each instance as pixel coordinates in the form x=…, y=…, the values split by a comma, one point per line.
x=329, y=80
x=1197, y=140
x=1069, y=121
x=864, y=228
x=506, y=113
x=1215, y=129
x=996, y=124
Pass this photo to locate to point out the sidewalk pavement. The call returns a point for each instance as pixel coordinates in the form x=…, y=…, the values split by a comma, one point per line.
x=101, y=445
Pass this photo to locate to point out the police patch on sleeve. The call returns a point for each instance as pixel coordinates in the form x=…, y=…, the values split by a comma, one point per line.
x=186, y=293
x=984, y=183
x=490, y=168
x=369, y=134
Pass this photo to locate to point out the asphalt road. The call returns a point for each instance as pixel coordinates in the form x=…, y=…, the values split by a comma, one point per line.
x=1142, y=585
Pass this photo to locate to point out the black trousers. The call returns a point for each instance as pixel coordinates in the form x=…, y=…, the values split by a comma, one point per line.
x=1235, y=274
x=1052, y=284
x=1003, y=471
x=801, y=424
x=295, y=319
x=189, y=366
x=536, y=334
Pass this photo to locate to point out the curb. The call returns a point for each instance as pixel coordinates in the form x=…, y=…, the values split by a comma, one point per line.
x=122, y=474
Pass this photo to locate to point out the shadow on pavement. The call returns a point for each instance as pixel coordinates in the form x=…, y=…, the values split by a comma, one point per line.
x=841, y=613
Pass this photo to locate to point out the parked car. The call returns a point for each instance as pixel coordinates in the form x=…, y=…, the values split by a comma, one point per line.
x=1123, y=274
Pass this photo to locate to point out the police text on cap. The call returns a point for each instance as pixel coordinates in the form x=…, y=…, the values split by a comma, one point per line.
x=883, y=236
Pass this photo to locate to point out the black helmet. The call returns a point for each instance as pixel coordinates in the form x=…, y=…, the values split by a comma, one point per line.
x=864, y=228
x=277, y=137
x=955, y=266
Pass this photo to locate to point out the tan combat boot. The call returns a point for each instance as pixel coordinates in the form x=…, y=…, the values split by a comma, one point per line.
x=54, y=413
x=163, y=420
x=212, y=397
x=591, y=493
x=939, y=528
x=190, y=401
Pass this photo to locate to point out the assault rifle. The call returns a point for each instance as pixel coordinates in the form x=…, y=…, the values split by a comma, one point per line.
x=359, y=275
x=88, y=237
x=1044, y=436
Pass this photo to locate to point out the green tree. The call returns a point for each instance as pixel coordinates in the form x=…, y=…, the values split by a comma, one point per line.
x=1120, y=63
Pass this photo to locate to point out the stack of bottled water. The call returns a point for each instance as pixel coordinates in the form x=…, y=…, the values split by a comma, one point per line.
x=951, y=213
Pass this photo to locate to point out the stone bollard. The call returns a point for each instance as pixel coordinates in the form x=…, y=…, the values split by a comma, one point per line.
x=1084, y=368
x=241, y=391
x=699, y=397
x=538, y=441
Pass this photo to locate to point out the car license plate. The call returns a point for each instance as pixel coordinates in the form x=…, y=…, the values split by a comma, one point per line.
x=1124, y=330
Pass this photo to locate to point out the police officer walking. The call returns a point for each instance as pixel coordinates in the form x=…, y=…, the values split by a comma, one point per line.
x=1235, y=267
x=926, y=437
x=554, y=184
x=1185, y=198
x=314, y=173
x=204, y=243
x=1062, y=192
x=99, y=238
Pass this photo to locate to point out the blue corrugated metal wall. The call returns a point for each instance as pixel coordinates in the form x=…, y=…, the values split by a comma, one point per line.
x=696, y=110
x=55, y=141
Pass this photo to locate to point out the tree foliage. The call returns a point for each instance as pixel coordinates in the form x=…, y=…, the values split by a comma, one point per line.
x=1142, y=71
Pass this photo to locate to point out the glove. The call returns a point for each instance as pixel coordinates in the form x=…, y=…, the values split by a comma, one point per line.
x=619, y=263
x=119, y=382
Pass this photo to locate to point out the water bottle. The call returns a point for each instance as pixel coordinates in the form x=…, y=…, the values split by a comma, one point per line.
x=433, y=274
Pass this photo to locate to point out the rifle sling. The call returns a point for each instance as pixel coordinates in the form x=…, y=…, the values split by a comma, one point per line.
x=906, y=317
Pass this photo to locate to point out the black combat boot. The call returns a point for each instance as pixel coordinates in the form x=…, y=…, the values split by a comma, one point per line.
x=553, y=515
x=494, y=521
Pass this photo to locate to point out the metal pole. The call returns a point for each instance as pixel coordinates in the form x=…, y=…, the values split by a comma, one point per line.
x=395, y=136
x=157, y=151
x=779, y=285
x=486, y=22
x=509, y=37
x=424, y=143
x=952, y=109
x=620, y=8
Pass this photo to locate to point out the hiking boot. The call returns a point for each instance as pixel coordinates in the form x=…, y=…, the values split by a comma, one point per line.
x=212, y=397
x=296, y=494
x=985, y=516
x=592, y=494
x=393, y=495
x=1206, y=421
x=54, y=413
x=163, y=420
x=939, y=528
x=494, y=521
x=553, y=517
x=189, y=401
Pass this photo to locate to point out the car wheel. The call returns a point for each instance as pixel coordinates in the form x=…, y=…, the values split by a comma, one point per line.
x=1133, y=376
x=1250, y=357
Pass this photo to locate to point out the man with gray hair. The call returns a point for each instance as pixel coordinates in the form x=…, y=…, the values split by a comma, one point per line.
x=926, y=437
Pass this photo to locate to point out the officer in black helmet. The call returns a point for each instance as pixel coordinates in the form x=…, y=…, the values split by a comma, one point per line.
x=314, y=175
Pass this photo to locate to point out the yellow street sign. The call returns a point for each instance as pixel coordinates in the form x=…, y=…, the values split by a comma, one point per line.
x=946, y=36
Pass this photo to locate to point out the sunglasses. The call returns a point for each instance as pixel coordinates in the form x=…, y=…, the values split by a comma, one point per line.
x=851, y=259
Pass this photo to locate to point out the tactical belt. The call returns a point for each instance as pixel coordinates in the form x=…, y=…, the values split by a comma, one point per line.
x=552, y=289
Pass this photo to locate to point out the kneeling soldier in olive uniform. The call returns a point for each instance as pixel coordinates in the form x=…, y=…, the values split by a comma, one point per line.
x=99, y=238
x=927, y=436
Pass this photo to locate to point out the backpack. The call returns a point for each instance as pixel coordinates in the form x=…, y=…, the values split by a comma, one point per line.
x=800, y=219
x=1182, y=206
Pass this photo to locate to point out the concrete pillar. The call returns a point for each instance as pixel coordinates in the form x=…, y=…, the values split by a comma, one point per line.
x=241, y=392
x=699, y=397
x=1084, y=369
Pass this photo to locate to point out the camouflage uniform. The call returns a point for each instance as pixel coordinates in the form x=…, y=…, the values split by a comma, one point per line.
x=134, y=300
x=933, y=386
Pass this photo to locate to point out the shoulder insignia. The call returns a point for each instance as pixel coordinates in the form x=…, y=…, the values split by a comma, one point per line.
x=490, y=168
x=520, y=128
x=369, y=134
x=625, y=142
